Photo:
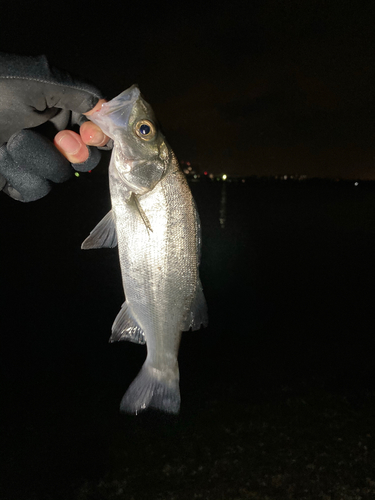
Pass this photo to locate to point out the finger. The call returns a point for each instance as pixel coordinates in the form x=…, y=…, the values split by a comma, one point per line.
x=92, y=135
x=96, y=108
x=71, y=146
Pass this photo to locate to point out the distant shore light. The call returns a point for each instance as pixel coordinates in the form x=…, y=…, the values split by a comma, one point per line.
x=224, y=177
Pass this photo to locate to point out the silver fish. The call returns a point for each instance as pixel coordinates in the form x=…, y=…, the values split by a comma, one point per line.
x=155, y=223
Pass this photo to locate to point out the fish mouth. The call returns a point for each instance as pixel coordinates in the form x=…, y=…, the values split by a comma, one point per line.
x=126, y=99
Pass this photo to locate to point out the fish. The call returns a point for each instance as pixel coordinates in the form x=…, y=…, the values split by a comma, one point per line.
x=155, y=224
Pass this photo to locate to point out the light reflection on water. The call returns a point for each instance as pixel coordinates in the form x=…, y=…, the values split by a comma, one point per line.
x=223, y=205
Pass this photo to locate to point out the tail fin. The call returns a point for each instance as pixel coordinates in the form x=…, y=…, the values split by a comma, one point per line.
x=152, y=389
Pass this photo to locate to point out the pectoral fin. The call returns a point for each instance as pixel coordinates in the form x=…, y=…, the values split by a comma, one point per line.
x=141, y=212
x=197, y=316
x=103, y=235
x=125, y=327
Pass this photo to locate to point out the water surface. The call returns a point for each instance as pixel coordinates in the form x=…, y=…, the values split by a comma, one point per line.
x=288, y=273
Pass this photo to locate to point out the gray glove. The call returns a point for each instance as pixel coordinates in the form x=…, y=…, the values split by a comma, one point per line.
x=33, y=94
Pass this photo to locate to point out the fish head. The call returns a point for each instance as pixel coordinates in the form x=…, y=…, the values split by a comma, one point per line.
x=140, y=155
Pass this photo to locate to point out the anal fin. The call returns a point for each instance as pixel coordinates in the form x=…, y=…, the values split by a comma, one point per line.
x=125, y=327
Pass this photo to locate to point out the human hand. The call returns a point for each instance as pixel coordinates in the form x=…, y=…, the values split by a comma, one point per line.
x=73, y=145
x=36, y=101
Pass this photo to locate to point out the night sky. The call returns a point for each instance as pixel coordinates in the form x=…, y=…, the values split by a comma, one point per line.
x=256, y=88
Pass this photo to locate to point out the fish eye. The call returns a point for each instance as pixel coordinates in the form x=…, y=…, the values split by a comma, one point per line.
x=145, y=129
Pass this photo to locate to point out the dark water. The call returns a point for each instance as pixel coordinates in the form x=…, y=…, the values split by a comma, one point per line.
x=288, y=272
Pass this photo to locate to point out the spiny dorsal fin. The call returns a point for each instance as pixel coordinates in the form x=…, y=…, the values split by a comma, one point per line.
x=103, y=235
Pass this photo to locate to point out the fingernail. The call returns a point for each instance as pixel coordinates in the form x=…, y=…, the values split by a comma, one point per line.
x=97, y=138
x=69, y=144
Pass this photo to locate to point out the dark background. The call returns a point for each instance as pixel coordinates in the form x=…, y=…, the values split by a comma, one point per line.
x=277, y=393
x=262, y=87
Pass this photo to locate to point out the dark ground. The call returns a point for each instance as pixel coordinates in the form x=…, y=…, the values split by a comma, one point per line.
x=277, y=393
